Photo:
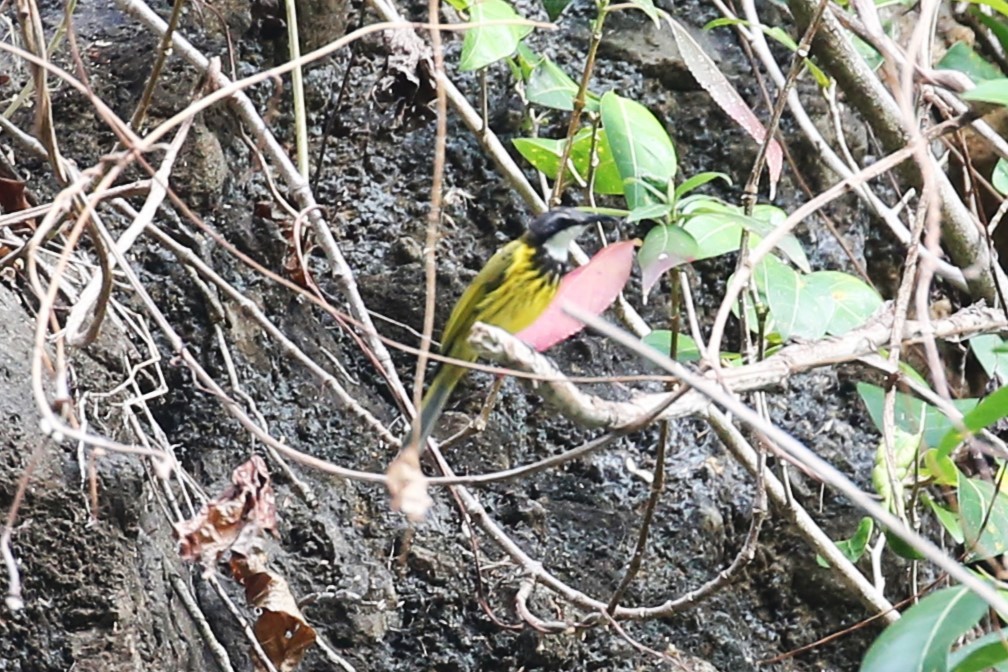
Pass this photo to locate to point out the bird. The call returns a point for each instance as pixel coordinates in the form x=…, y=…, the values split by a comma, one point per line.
x=517, y=284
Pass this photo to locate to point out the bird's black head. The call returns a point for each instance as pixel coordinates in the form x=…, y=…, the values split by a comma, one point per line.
x=549, y=224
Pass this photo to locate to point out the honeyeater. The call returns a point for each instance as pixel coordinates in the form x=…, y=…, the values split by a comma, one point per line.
x=512, y=289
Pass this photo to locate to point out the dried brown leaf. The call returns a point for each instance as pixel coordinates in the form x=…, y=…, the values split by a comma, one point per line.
x=281, y=628
x=248, y=505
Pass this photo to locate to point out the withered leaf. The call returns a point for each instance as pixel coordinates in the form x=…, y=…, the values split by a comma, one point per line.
x=248, y=502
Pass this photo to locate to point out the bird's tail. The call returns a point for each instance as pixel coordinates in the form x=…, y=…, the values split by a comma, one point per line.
x=434, y=401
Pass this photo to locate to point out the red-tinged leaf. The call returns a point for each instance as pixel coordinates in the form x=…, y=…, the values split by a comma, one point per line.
x=724, y=94
x=592, y=287
x=665, y=246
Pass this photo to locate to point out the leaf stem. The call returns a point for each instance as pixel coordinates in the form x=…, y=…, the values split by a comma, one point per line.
x=579, y=99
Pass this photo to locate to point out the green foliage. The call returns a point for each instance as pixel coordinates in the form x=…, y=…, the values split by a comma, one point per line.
x=992, y=353
x=641, y=148
x=984, y=518
x=484, y=45
x=545, y=154
x=990, y=91
x=889, y=479
x=989, y=652
x=991, y=409
x=854, y=547
x=909, y=411
x=686, y=347
x=922, y=639
x=961, y=57
x=554, y=8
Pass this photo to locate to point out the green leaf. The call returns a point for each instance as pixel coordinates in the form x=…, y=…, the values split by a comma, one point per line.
x=991, y=91
x=697, y=181
x=1000, y=177
x=686, y=347
x=795, y=311
x=640, y=146
x=717, y=228
x=906, y=447
x=543, y=153
x=1000, y=6
x=940, y=468
x=991, y=408
x=909, y=410
x=853, y=301
x=984, y=518
x=921, y=639
x=989, y=351
x=961, y=57
x=658, y=211
x=484, y=45
x=607, y=176
x=554, y=8
x=718, y=23
x=765, y=218
x=948, y=519
x=854, y=547
x=997, y=27
x=780, y=35
x=549, y=86
x=665, y=246
x=900, y=547
x=986, y=653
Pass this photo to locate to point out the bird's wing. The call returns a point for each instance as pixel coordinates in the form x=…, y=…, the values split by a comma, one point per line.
x=464, y=314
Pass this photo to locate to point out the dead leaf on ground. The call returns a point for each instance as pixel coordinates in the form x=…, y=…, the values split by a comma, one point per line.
x=248, y=502
x=281, y=628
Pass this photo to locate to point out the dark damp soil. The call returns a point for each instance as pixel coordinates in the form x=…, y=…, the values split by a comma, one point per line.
x=104, y=592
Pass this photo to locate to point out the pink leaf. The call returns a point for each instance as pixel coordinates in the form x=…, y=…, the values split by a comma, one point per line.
x=706, y=72
x=592, y=287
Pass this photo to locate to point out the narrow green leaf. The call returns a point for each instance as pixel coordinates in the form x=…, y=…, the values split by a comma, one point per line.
x=640, y=147
x=993, y=24
x=658, y=211
x=921, y=639
x=986, y=653
x=948, y=519
x=999, y=6
x=991, y=408
x=718, y=23
x=484, y=45
x=697, y=181
x=991, y=91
